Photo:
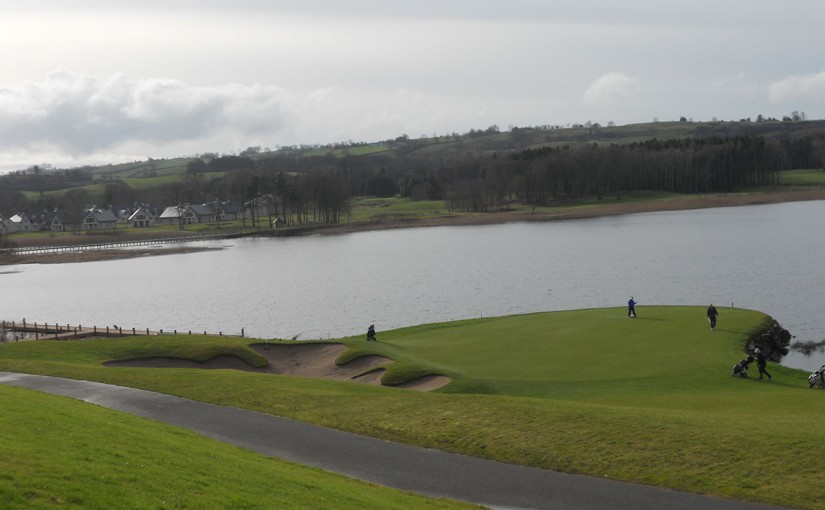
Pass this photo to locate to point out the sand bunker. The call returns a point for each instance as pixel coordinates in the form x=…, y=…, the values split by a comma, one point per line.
x=302, y=360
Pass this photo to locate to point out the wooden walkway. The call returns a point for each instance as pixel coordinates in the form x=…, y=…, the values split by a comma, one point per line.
x=55, y=331
x=113, y=245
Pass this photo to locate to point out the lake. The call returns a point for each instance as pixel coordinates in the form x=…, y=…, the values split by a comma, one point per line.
x=766, y=257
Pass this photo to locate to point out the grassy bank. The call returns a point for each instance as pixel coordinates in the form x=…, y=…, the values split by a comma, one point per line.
x=61, y=453
x=649, y=400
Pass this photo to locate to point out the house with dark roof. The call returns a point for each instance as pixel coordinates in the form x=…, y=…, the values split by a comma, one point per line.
x=204, y=213
x=229, y=210
x=64, y=221
x=99, y=219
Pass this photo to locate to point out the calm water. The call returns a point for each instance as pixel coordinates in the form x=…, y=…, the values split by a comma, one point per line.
x=768, y=258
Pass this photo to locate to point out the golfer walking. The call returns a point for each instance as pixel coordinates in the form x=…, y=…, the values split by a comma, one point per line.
x=712, y=313
x=631, y=308
x=761, y=363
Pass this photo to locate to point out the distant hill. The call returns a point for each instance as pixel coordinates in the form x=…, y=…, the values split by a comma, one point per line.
x=477, y=171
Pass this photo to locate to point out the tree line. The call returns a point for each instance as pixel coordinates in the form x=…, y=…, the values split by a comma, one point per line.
x=469, y=176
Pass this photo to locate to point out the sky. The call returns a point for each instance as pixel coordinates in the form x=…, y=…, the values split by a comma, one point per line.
x=98, y=82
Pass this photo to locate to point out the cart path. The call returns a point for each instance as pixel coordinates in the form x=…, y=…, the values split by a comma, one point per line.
x=405, y=467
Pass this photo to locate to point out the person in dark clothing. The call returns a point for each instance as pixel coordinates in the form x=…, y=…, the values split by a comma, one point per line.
x=712, y=313
x=761, y=363
x=371, y=333
x=631, y=308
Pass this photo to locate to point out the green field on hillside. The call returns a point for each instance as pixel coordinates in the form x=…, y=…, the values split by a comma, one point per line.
x=648, y=400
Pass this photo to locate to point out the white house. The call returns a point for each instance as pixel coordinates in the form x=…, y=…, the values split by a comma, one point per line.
x=187, y=214
x=21, y=223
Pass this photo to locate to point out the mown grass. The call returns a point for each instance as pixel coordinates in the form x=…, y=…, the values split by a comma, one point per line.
x=648, y=400
x=56, y=452
x=813, y=177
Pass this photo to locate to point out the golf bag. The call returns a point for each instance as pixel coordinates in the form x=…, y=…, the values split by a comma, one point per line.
x=741, y=368
x=817, y=378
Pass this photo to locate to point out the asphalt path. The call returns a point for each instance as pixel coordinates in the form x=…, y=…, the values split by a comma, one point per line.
x=410, y=468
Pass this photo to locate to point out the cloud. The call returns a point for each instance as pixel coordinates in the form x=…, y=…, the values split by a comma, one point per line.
x=808, y=87
x=610, y=87
x=80, y=114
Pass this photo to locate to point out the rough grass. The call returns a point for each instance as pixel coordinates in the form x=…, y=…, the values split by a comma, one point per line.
x=647, y=400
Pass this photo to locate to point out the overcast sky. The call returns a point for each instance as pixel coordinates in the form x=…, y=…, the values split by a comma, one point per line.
x=112, y=81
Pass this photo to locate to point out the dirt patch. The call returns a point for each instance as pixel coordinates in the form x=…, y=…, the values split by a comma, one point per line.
x=316, y=360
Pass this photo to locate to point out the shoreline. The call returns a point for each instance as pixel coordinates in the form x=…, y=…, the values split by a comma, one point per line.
x=604, y=209
x=597, y=210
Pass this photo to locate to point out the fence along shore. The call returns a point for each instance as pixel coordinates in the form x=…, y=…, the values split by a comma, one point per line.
x=56, y=331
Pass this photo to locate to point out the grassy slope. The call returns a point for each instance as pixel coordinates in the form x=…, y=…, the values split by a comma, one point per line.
x=58, y=452
x=648, y=400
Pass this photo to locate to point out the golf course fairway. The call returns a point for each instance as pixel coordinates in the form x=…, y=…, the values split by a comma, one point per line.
x=648, y=400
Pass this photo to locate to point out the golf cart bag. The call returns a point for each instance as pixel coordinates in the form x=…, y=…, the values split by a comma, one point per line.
x=817, y=378
x=741, y=368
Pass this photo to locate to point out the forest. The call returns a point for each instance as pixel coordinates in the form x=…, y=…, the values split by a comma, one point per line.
x=480, y=171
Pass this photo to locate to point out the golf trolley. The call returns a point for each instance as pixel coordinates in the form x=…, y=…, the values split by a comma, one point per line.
x=741, y=369
x=817, y=378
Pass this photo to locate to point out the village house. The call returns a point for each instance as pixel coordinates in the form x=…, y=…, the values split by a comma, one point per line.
x=141, y=218
x=21, y=222
x=228, y=211
x=203, y=213
x=171, y=216
x=99, y=219
x=64, y=221
x=186, y=214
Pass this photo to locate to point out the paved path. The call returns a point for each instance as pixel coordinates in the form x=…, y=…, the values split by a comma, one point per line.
x=405, y=467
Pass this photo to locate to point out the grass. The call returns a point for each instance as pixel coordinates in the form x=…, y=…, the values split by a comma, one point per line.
x=376, y=210
x=60, y=453
x=802, y=177
x=649, y=400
